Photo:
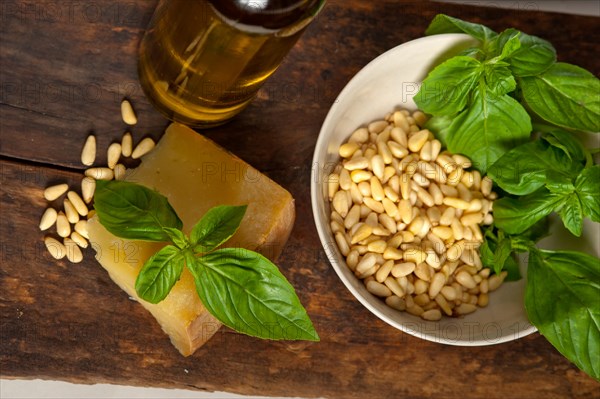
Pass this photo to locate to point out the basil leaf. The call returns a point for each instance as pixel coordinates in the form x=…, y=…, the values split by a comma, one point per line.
x=561, y=299
x=446, y=89
x=562, y=140
x=499, y=79
x=132, y=211
x=565, y=95
x=558, y=183
x=516, y=215
x=159, y=274
x=248, y=293
x=439, y=125
x=522, y=170
x=446, y=24
x=217, y=226
x=488, y=128
x=501, y=254
x=572, y=215
x=587, y=186
x=533, y=56
x=177, y=237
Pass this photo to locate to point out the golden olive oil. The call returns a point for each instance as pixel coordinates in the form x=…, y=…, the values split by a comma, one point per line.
x=201, y=62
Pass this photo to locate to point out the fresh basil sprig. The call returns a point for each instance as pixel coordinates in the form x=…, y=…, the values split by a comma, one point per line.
x=482, y=102
x=240, y=287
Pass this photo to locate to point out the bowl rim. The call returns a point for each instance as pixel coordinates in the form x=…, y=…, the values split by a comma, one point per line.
x=324, y=237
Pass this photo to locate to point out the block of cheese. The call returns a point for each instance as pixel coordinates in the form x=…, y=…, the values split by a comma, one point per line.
x=195, y=174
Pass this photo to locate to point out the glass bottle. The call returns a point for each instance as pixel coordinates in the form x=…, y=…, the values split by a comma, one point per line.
x=202, y=61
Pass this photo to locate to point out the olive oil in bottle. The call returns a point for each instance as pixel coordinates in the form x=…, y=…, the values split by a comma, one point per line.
x=202, y=61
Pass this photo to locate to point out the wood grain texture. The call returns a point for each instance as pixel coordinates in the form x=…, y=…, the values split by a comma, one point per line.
x=64, y=72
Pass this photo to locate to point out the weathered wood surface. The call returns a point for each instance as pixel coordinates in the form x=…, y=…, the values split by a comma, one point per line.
x=65, y=67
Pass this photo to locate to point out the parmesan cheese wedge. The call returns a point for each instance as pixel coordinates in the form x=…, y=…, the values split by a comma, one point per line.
x=195, y=175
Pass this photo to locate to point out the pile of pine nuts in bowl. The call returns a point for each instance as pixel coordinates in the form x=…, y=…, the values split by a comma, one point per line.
x=400, y=218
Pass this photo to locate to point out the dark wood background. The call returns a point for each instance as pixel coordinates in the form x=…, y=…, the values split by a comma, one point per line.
x=65, y=66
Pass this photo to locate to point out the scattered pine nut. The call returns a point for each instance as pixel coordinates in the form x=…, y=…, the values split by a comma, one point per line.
x=79, y=239
x=113, y=154
x=88, y=186
x=48, y=219
x=63, y=228
x=78, y=203
x=126, y=145
x=88, y=153
x=73, y=251
x=119, y=171
x=53, y=192
x=127, y=113
x=100, y=173
x=56, y=248
x=70, y=211
x=144, y=147
x=81, y=228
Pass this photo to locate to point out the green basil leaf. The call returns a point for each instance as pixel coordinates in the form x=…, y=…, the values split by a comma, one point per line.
x=446, y=89
x=132, y=211
x=488, y=128
x=499, y=79
x=587, y=186
x=522, y=170
x=446, y=24
x=501, y=254
x=177, y=237
x=571, y=214
x=439, y=125
x=558, y=183
x=248, y=293
x=565, y=95
x=217, y=226
x=511, y=266
x=561, y=299
x=486, y=252
x=563, y=140
x=516, y=215
x=159, y=274
x=533, y=234
x=532, y=57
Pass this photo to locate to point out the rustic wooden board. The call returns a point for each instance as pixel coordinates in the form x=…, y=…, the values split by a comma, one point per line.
x=64, y=73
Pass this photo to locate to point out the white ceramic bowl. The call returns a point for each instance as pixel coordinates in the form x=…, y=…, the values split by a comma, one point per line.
x=387, y=82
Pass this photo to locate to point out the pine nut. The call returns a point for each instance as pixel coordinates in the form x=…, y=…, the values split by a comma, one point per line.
x=127, y=113
x=415, y=310
x=63, y=228
x=395, y=302
x=437, y=283
x=363, y=232
x=377, y=246
x=340, y=203
x=466, y=280
x=359, y=175
x=483, y=286
x=392, y=253
x=387, y=221
x=88, y=186
x=455, y=176
x=78, y=203
x=345, y=180
x=79, y=239
x=113, y=154
x=375, y=206
x=469, y=219
x=364, y=188
x=486, y=186
x=333, y=185
x=377, y=126
x=354, y=196
x=346, y=150
x=423, y=271
x=352, y=217
x=400, y=121
x=70, y=211
x=378, y=289
x=126, y=144
x=482, y=300
x=352, y=259
x=366, y=263
x=88, y=153
x=378, y=166
x=496, y=280
x=443, y=232
x=144, y=147
x=432, y=315
x=384, y=271
x=385, y=152
x=73, y=251
x=448, y=292
x=433, y=259
x=393, y=285
x=81, y=228
x=462, y=161
x=100, y=173
x=342, y=243
x=360, y=135
x=56, y=248
x=425, y=152
x=53, y=192
x=48, y=219
x=465, y=308
x=397, y=150
x=456, y=203
x=376, y=189
x=441, y=301
x=417, y=140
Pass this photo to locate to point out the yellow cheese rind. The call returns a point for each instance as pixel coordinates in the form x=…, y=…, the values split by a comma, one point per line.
x=195, y=174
